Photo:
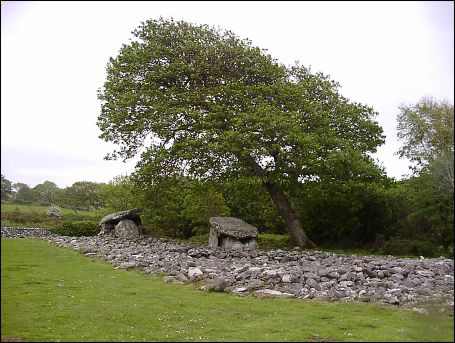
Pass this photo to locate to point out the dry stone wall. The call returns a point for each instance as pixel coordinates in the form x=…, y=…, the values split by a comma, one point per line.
x=297, y=274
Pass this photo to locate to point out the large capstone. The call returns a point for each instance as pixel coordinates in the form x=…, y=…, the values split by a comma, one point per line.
x=232, y=233
x=110, y=224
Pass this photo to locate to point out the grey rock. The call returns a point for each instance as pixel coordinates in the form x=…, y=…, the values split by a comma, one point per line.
x=108, y=223
x=231, y=233
x=126, y=228
x=297, y=273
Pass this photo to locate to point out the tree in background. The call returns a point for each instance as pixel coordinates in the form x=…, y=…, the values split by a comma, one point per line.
x=46, y=192
x=214, y=107
x=426, y=129
x=24, y=193
x=84, y=195
x=350, y=205
x=118, y=194
x=248, y=200
x=7, y=189
x=425, y=201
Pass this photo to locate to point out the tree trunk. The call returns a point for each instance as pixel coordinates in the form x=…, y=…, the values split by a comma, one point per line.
x=287, y=211
x=283, y=205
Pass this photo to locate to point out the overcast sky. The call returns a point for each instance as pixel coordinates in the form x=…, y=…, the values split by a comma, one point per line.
x=54, y=56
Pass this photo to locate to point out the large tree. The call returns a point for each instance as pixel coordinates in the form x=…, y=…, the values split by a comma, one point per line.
x=205, y=103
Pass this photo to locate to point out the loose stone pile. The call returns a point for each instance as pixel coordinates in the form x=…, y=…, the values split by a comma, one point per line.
x=296, y=273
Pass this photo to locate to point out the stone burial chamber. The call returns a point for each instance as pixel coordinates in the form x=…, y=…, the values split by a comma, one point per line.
x=126, y=224
x=232, y=233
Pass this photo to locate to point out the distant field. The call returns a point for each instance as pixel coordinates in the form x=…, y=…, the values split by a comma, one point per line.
x=35, y=216
x=54, y=294
x=6, y=207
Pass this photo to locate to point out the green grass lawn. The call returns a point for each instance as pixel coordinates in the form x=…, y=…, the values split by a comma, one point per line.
x=55, y=294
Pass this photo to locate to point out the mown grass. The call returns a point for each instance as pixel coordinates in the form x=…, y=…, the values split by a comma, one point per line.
x=54, y=294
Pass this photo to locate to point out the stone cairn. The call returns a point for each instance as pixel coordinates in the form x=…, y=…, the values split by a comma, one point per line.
x=232, y=233
x=126, y=224
x=318, y=275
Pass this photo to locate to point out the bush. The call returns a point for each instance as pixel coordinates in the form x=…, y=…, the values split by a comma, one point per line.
x=201, y=239
x=25, y=218
x=78, y=228
x=268, y=241
x=54, y=211
x=408, y=247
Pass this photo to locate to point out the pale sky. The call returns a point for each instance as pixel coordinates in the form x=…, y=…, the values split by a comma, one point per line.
x=54, y=55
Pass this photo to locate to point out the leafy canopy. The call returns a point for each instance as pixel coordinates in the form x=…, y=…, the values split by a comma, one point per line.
x=208, y=104
x=426, y=129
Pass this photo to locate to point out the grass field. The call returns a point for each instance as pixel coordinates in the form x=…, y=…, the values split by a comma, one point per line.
x=8, y=207
x=18, y=215
x=54, y=294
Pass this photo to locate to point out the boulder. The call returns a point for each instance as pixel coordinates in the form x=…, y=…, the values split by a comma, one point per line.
x=108, y=223
x=126, y=228
x=232, y=233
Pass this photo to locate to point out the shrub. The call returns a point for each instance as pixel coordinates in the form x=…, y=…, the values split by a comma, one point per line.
x=78, y=228
x=408, y=247
x=54, y=211
x=24, y=218
x=269, y=241
x=201, y=239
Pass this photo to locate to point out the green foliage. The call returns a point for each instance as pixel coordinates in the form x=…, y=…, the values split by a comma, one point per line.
x=83, y=195
x=24, y=194
x=78, y=228
x=163, y=206
x=6, y=189
x=202, y=202
x=180, y=207
x=427, y=129
x=347, y=209
x=118, y=194
x=249, y=201
x=422, y=212
x=23, y=218
x=270, y=241
x=201, y=238
x=35, y=216
x=410, y=247
x=46, y=191
x=219, y=108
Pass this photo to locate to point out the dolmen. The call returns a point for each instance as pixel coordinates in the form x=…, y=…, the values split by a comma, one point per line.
x=232, y=233
x=126, y=224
